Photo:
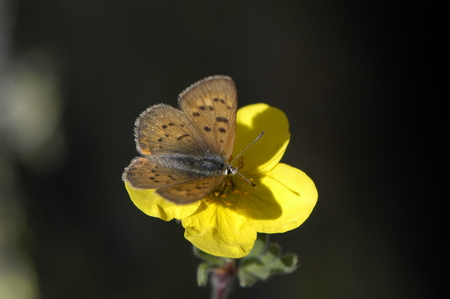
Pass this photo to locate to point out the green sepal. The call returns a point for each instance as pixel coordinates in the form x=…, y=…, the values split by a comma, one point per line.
x=263, y=263
x=260, y=245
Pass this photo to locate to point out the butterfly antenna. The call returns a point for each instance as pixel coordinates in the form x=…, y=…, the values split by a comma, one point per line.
x=247, y=180
x=235, y=170
x=240, y=154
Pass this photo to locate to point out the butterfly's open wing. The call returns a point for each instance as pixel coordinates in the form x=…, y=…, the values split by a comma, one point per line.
x=173, y=184
x=143, y=173
x=190, y=191
x=210, y=105
x=162, y=129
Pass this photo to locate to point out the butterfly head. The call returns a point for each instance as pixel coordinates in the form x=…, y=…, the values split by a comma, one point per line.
x=230, y=170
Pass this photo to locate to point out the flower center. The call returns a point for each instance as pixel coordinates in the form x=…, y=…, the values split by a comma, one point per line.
x=229, y=187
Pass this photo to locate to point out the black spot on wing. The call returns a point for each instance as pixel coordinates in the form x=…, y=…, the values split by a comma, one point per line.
x=222, y=119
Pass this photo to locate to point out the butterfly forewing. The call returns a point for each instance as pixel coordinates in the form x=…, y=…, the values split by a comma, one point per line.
x=162, y=129
x=211, y=105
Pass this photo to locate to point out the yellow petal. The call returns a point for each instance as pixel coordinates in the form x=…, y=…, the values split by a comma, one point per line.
x=266, y=152
x=156, y=206
x=217, y=229
x=287, y=199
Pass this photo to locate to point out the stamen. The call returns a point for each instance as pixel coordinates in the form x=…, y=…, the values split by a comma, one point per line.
x=227, y=187
x=228, y=203
x=241, y=163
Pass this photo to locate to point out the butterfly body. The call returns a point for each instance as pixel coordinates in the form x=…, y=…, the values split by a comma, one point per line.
x=196, y=166
x=185, y=153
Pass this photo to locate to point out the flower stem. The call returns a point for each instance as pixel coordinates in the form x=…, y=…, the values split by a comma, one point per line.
x=222, y=280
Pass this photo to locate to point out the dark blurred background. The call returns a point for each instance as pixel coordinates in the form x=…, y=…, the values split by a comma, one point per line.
x=356, y=79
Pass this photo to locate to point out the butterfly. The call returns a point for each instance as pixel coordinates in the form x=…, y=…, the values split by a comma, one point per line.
x=185, y=153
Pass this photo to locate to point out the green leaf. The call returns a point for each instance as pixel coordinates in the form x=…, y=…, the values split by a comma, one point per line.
x=264, y=262
x=202, y=274
x=290, y=261
x=211, y=259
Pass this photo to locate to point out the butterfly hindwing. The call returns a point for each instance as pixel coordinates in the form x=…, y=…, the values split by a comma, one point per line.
x=190, y=191
x=143, y=173
x=177, y=186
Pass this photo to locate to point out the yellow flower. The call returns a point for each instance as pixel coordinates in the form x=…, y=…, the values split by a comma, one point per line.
x=227, y=226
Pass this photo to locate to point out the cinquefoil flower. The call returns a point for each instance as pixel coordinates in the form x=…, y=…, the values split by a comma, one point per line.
x=226, y=222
